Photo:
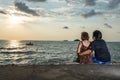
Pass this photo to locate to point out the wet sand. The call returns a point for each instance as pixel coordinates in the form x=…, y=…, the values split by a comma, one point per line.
x=60, y=72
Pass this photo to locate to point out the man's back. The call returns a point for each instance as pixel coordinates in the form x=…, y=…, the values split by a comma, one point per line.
x=101, y=50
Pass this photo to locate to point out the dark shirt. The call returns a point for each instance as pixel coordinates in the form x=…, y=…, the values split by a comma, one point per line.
x=101, y=50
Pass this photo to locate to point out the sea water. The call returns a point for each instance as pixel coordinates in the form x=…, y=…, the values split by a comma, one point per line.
x=45, y=52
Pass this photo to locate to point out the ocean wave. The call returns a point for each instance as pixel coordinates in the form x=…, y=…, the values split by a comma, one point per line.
x=11, y=48
x=17, y=52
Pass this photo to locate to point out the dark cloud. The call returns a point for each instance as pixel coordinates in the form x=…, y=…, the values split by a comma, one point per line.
x=65, y=27
x=86, y=2
x=107, y=25
x=90, y=14
x=37, y=0
x=89, y=2
x=113, y=4
x=2, y=12
x=24, y=8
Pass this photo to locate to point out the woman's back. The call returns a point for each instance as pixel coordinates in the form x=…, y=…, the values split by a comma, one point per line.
x=85, y=46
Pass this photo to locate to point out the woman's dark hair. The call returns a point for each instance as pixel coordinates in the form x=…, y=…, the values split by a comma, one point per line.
x=97, y=34
x=84, y=36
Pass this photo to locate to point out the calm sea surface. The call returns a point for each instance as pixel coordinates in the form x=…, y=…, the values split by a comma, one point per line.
x=45, y=52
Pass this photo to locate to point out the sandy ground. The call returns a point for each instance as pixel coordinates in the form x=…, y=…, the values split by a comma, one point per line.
x=60, y=72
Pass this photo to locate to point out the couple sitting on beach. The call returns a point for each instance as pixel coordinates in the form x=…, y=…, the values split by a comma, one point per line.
x=95, y=51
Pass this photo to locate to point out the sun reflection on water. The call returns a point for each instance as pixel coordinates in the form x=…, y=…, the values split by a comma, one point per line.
x=14, y=43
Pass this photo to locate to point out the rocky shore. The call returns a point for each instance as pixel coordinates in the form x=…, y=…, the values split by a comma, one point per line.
x=60, y=72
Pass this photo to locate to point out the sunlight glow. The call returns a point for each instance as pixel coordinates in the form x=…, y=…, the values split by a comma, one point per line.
x=15, y=19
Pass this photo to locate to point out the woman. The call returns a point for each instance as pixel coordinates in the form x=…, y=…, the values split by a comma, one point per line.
x=83, y=46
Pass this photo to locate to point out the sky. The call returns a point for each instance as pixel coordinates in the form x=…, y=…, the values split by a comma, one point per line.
x=58, y=19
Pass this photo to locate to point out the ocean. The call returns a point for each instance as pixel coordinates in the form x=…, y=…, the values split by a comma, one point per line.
x=45, y=52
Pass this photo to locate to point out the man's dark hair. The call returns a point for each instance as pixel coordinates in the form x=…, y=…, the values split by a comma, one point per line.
x=97, y=34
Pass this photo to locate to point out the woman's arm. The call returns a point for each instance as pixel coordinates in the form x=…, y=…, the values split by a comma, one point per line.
x=79, y=48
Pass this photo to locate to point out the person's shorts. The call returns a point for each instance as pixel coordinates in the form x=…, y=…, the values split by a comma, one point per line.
x=99, y=62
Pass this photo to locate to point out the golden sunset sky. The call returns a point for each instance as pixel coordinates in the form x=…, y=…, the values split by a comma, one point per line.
x=58, y=19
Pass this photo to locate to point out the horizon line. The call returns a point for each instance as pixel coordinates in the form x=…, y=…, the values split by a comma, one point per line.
x=46, y=40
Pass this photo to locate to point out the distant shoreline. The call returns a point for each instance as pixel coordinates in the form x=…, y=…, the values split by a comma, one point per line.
x=50, y=40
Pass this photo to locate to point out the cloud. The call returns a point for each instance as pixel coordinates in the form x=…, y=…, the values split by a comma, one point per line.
x=89, y=2
x=73, y=8
x=37, y=0
x=107, y=25
x=90, y=14
x=113, y=4
x=24, y=8
x=105, y=18
x=65, y=27
x=73, y=2
x=118, y=32
x=78, y=2
x=3, y=12
x=63, y=11
x=83, y=27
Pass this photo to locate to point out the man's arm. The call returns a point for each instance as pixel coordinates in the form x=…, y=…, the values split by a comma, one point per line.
x=91, y=50
x=85, y=53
